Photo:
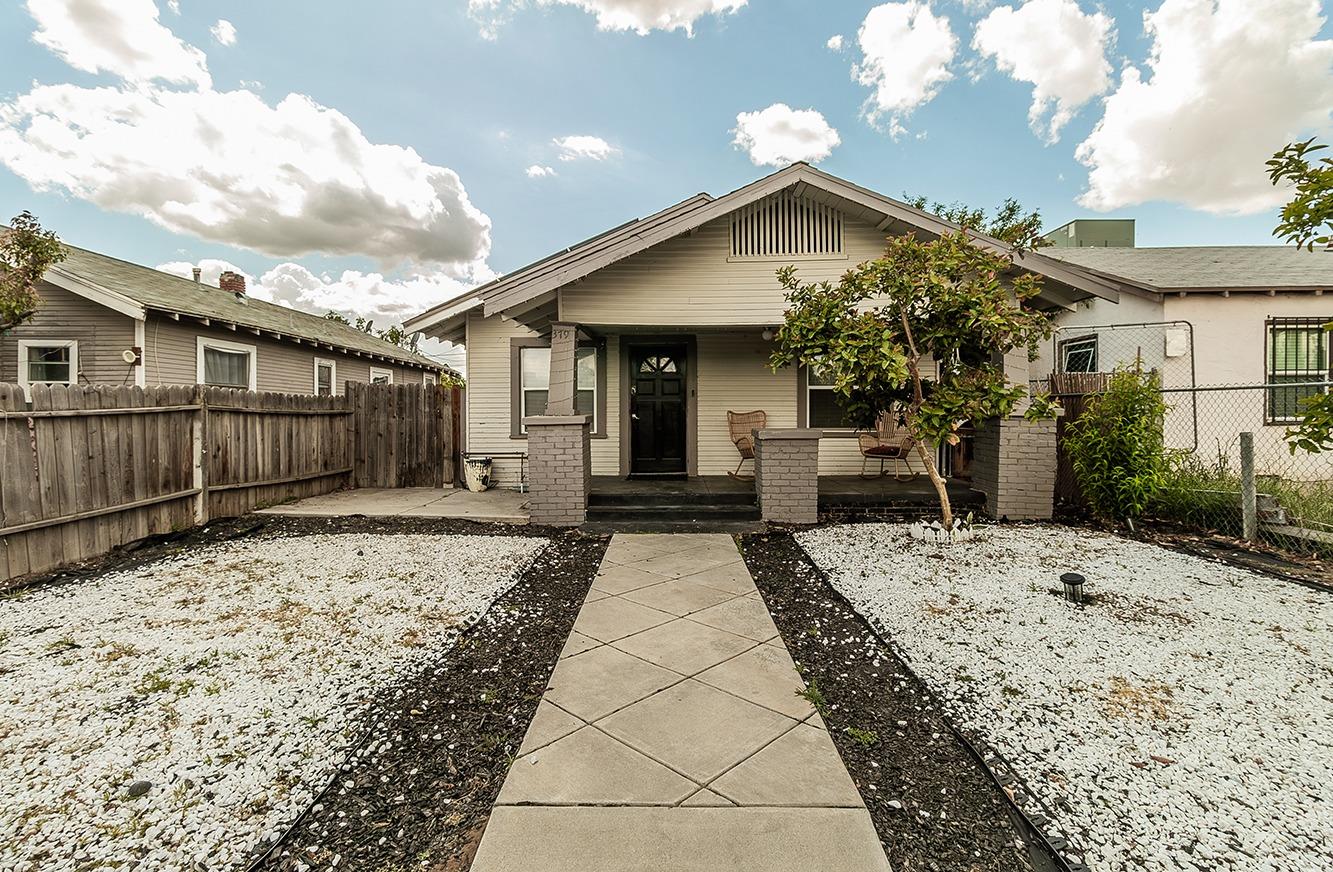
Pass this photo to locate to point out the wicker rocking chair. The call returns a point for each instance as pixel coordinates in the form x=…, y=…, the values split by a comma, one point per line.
x=741, y=425
x=889, y=441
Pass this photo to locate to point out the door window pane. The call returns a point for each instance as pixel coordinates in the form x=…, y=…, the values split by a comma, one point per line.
x=228, y=369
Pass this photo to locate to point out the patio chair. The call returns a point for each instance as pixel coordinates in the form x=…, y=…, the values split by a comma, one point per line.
x=888, y=441
x=741, y=425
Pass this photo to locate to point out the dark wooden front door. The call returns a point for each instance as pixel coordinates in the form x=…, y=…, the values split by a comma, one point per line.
x=657, y=410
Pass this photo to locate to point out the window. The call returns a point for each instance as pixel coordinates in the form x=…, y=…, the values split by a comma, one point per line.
x=824, y=409
x=1298, y=354
x=48, y=361
x=429, y=378
x=1079, y=355
x=534, y=364
x=225, y=364
x=381, y=376
x=326, y=377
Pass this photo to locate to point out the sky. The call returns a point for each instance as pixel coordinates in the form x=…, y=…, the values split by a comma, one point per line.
x=381, y=158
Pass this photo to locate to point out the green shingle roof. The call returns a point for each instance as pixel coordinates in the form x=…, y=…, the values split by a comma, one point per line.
x=1212, y=267
x=164, y=292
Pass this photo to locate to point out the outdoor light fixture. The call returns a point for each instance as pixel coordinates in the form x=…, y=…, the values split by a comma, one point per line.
x=767, y=334
x=1073, y=583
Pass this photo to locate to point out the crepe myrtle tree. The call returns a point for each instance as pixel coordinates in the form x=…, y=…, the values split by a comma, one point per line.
x=27, y=251
x=946, y=299
x=1307, y=221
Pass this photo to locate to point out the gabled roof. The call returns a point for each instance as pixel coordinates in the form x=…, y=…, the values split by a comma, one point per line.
x=1210, y=268
x=122, y=286
x=533, y=284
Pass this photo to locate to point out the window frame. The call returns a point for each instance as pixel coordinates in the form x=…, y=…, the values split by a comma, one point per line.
x=24, y=345
x=803, y=389
x=229, y=347
x=429, y=379
x=379, y=370
x=1064, y=346
x=333, y=376
x=516, y=411
x=1313, y=324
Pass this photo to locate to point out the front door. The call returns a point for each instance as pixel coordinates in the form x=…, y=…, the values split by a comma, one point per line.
x=657, y=410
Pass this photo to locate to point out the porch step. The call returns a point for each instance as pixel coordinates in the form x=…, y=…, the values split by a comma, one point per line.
x=673, y=513
x=670, y=498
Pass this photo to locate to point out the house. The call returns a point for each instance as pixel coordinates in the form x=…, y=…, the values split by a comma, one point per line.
x=107, y=321
x=670, y=320
x=1247, y=317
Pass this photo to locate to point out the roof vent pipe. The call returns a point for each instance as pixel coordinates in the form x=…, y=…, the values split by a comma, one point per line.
x=197, y=272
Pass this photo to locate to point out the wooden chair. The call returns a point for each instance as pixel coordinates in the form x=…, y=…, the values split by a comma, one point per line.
x=741, y=425
x=888, y=441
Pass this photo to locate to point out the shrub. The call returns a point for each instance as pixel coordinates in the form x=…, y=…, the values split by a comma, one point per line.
x=1116, y=445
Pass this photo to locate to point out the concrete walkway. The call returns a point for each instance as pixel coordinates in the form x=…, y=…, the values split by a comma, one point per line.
x=492, y=506
x=671, y=737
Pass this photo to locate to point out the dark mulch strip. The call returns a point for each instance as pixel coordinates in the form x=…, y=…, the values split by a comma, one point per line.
x=934, y=804
x=417, y=793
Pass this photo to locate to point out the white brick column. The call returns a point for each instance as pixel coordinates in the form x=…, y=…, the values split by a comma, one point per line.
x=559, y=468
x=786, y=475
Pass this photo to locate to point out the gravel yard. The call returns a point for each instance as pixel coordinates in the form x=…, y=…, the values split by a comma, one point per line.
x=1182, y=719
x=223, y=684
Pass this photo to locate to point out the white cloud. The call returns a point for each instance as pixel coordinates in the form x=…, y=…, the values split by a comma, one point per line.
x=174, y=6
x=580, y=147
x=537, y=171
x=780, y=135
x=1229, y=83
x=906, y=52
x=1054, y=46
x=834, y=42
x=640, y=16
x=224, y=32
x=283, y=180
x=123, y=37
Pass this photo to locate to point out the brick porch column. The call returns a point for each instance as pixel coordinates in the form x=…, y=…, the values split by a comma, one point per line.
x=559, y=468
x=1014, y=460
x=786, y=475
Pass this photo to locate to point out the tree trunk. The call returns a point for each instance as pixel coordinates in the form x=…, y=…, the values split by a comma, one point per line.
x=946, y=508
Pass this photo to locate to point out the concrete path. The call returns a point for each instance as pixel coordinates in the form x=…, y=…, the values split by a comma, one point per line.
x=671, y=737
x=492, y=506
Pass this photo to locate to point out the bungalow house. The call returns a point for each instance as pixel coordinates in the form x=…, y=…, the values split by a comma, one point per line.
x=1247, y=318
x=106, y=321
x=654, y=330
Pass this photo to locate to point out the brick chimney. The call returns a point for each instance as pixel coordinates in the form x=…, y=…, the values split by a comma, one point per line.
x=197, y=273
x=232, y=282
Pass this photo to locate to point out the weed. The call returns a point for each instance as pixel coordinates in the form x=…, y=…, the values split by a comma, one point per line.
x=815, y=697
x=864, y=738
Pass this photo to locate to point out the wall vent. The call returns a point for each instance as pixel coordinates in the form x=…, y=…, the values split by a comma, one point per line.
x=786, y=226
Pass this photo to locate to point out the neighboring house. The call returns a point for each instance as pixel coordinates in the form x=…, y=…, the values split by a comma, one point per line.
x=675, y=316
x=1208, y=316
x=106, y=321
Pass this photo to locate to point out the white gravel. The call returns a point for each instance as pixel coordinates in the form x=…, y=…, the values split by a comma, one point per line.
x=230, y=678
x=1185, y=721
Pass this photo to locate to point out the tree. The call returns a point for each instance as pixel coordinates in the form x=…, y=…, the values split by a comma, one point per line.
x=26, y=252
x=946, y=299
x=1306, y=221
x=394, y=335
x=1009, y=223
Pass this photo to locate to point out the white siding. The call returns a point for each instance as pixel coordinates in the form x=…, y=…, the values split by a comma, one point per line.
x=689, y=281
x=488, y=399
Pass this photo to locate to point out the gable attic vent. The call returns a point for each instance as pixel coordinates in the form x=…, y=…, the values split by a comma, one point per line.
x=786, y=226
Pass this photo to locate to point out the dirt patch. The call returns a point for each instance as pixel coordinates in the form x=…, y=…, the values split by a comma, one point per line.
x=417, y=792
x=934, y=804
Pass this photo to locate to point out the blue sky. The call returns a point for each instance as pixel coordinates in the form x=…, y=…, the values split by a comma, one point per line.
x=1181, y=150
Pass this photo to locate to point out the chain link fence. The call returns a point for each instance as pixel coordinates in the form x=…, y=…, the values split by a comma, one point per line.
x=1209, y=457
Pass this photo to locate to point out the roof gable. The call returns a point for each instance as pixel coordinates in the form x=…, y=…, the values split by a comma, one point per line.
x=533, y=284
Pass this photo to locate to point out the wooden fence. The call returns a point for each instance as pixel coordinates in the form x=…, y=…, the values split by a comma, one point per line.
x=88, y=468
